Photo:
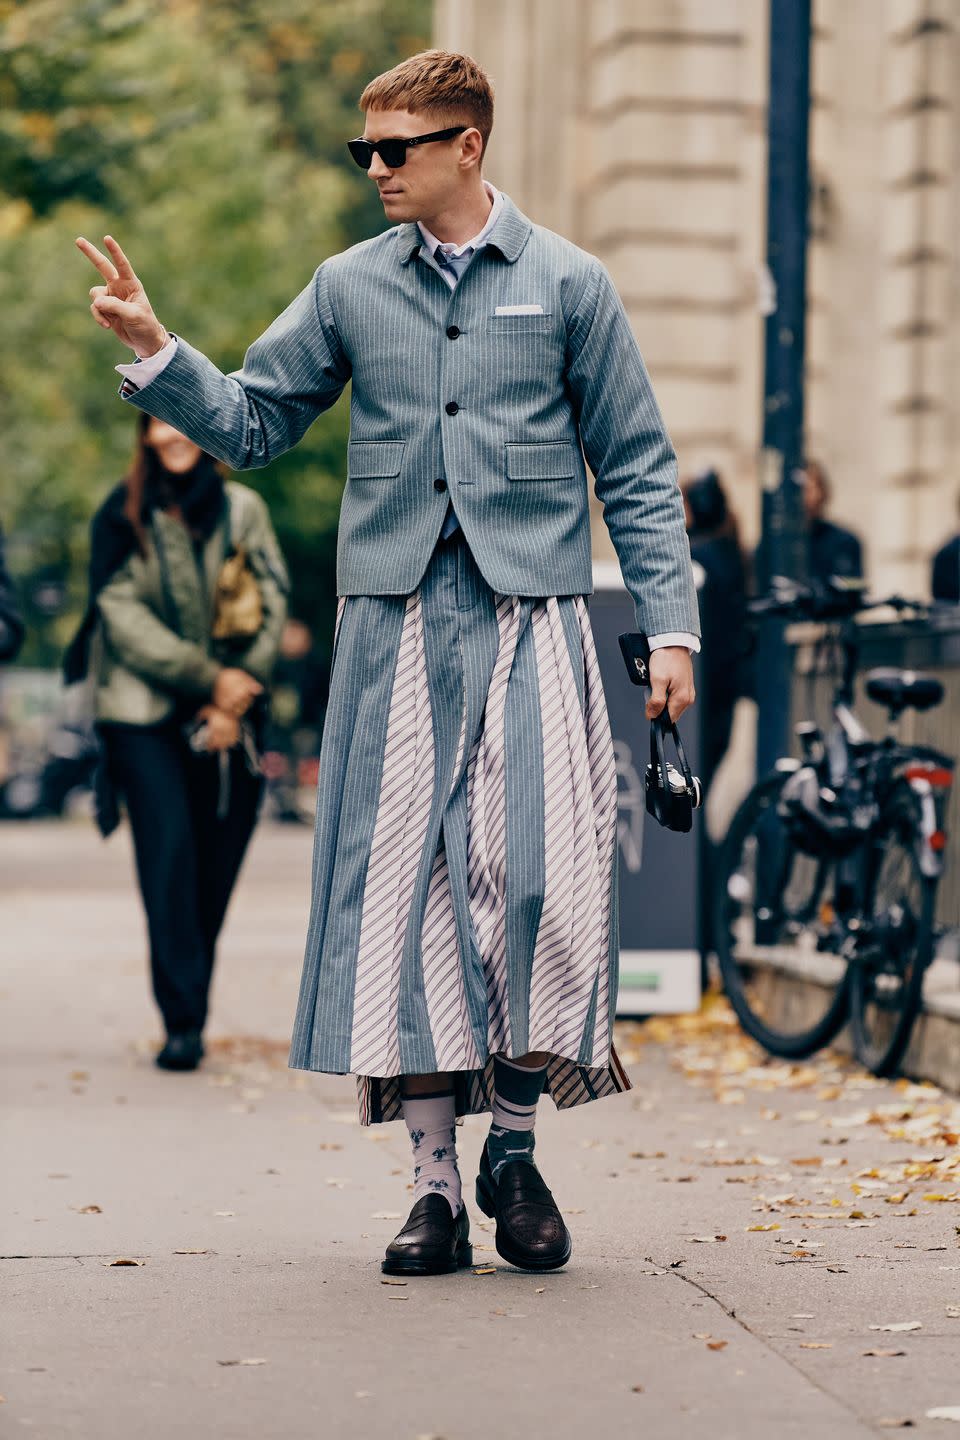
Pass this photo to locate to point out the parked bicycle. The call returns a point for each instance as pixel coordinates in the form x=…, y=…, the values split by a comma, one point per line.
x=826, y=885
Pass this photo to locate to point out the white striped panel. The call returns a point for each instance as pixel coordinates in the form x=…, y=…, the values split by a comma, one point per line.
x=403, y=809
x=446, y=994
x=487, y=869
x=603, y=774
x=562, y=980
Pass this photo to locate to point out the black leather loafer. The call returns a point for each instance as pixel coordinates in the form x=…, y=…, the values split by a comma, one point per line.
x=530, y=1229
x=181, y=1052
x=432, y=1242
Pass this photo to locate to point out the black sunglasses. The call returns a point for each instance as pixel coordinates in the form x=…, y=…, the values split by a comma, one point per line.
x=393, y=153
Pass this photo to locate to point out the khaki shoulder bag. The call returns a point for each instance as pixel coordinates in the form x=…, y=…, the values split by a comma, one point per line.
x=238, y=602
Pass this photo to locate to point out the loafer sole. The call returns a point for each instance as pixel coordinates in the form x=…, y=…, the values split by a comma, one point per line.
x=521, y=1260
x=462, y=1259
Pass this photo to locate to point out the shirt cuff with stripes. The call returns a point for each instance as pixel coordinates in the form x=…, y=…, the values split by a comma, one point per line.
x=141, y=372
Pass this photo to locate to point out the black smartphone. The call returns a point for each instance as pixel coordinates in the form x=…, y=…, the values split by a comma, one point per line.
x=635, y=648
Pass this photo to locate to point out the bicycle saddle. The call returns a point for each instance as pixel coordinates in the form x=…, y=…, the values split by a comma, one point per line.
x=903, y=690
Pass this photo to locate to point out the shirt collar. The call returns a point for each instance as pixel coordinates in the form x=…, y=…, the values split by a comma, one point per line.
x=508, y=235
x=432, y=243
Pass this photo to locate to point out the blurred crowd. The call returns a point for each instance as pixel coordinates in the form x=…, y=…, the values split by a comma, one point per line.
x=727, y=575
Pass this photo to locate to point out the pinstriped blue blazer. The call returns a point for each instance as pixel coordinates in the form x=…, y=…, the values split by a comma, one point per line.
x=500, y=408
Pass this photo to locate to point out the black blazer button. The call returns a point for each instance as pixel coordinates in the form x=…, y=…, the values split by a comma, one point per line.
x=453, y=332
x=439, y=484
x=451, y=407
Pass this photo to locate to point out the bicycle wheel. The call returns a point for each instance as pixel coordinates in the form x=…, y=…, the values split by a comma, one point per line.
x=897, y=939
x=777, y=931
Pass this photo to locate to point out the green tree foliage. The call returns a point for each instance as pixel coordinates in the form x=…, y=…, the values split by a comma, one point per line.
x=210, y=139
x=312, y=61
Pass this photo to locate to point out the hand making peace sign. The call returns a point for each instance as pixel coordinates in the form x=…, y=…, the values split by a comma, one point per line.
x=121, y=305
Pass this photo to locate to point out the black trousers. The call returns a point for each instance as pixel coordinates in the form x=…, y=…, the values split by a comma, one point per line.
x=188, y=859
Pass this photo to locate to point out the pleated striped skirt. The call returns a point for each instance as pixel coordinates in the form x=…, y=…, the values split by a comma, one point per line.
x=464, y=897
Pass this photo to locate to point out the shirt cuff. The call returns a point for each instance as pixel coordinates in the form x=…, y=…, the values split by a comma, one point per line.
x=141, y=372
x=675, y=637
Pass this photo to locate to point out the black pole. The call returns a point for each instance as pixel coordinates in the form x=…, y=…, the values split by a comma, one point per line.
x=783, y=549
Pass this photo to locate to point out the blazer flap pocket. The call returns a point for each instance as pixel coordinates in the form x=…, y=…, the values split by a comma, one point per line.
x=552, y=461
x=374, y=459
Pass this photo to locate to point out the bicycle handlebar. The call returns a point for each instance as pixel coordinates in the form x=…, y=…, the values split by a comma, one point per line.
x=835, y=599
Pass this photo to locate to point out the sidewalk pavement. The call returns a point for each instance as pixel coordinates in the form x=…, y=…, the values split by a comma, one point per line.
x=740, y=1228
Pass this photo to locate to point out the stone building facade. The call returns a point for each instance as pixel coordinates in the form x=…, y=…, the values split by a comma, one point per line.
x=637, y=128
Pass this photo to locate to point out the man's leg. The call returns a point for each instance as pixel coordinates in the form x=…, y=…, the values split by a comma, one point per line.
x=429, y=1111
x=531, y=1233
x=436, y=1237
x=517, y=1087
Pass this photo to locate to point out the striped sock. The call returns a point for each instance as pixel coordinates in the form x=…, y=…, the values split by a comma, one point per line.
x=432, y=1123
x=516, y=1090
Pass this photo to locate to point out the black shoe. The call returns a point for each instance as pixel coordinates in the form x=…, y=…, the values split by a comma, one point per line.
x=530, y=1229
x=181, y=1052
x=432, y=1242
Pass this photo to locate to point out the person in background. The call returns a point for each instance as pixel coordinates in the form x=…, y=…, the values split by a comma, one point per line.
x=721, y=577
x=301, y=681
x=720, y=573
x=833, y=550
x=946, y=571
x=11, y=621
x=179, y=713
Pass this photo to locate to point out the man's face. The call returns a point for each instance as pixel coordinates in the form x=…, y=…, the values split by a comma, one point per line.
x=429, y=180
x=814, y=496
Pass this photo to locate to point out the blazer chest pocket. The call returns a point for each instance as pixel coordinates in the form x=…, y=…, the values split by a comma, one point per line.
x=515, y=325
x=374, y=459
x=554, y=460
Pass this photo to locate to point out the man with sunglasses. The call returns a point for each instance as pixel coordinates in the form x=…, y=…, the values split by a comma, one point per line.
x=462, y=949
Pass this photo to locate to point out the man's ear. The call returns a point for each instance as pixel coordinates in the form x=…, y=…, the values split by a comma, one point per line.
x=471, y=148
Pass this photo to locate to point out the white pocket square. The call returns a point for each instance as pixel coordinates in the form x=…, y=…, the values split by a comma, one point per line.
x=519, y=310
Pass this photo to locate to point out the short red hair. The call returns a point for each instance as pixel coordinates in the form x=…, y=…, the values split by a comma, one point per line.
x=439, y=83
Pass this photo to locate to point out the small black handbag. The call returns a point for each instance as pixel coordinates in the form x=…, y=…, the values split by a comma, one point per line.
x=672, y=793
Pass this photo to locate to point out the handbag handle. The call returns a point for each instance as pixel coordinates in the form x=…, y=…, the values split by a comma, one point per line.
x=672, y=809
x=661, y=727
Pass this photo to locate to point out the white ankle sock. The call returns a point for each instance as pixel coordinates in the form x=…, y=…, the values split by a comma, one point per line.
x=432, y=1123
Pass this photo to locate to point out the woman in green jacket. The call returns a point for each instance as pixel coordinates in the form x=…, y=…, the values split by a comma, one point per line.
x=179, y=712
